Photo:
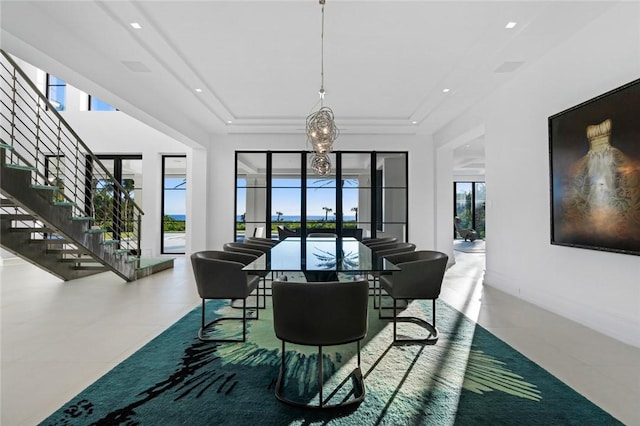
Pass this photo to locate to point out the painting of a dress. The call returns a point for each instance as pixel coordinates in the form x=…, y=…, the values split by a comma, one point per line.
x=595, y=173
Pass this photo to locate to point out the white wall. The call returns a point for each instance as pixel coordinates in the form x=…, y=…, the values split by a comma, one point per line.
x=421, y=173
x=598, y=289
x=114, y=132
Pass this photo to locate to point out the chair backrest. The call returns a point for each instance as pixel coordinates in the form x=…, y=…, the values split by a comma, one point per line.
x=322, y=235
x=219, y=274
x=464, y=232
x=284, y=233
x=382, y=240
x=241, y=248
x=395, y=249
x=382, y=246
x=421, y=273
x=264, y=241
x=320, y=313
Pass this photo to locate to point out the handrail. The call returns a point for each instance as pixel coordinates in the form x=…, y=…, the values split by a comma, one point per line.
x=43, y=141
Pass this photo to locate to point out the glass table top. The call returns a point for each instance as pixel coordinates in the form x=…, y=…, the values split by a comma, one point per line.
x=320, y=254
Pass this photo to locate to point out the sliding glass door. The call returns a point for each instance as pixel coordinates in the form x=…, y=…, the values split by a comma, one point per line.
x=470, y=200
x=174, y=204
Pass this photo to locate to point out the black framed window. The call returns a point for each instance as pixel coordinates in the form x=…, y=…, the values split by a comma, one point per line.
x=278, y=189
x=95, y=104
x=56, y=91
x=174, y=204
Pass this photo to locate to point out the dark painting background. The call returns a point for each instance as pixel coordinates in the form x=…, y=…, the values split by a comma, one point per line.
x=568, y=143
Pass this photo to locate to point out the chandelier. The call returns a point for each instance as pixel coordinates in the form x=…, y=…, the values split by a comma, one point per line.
x=321, y=127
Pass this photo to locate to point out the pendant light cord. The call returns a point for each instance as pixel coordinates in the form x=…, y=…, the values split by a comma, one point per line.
x=322, y=56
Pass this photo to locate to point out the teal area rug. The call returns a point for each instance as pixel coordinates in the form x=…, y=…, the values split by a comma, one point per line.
x=469, y=377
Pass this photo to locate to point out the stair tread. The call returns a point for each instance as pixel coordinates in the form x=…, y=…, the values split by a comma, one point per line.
x=97, y=231
x=47, y=187
x=20, y=167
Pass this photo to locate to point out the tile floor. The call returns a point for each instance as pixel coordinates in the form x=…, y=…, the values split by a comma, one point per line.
x=58, y=337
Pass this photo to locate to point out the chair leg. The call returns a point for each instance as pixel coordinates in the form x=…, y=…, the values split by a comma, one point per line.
x=358, y=384
x=321, y=401
x=204, y=325
x=431, y=339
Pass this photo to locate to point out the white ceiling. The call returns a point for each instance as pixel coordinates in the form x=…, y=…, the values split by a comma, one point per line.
x=386, y=63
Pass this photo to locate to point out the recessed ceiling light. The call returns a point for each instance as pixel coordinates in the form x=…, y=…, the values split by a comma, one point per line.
x=136, y=25
x=229, y=121
x=446, y=90
x=511, y=25
x=199, y=90
x=414, y=122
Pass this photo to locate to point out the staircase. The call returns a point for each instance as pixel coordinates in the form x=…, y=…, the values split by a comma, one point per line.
x=60, y=208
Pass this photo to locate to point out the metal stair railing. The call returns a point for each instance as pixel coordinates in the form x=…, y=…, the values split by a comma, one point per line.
x=38, y=139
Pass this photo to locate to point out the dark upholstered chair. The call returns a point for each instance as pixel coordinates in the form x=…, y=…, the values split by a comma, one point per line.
x=219, y=275
x=470, y=234
x=264, y=241
x=382, y=240
x=254, y=253
x=420, y=277
x=283, y=233
x=242, y=248
x=320, y=314
x=322, y=235
x=384, y=250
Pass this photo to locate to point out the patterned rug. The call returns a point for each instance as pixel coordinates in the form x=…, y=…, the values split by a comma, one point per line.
x=469, y=377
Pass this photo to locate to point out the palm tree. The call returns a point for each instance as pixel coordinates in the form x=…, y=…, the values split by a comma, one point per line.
x=355, y=209
x=279, y=215
x=326, y=212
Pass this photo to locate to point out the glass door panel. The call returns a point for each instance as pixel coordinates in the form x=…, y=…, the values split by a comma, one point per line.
x=356, y=193
x=286, y=193
x=470, y=200
x=321, y=201
x=174, y=204
x=479, y=205
x=463, y=204
x=251, y=194
x=391, y=195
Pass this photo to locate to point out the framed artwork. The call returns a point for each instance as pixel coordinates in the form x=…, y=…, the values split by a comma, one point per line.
x=594, y=154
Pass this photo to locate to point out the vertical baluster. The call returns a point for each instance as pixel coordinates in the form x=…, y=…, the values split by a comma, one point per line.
x=138, y=236
x=13, y=112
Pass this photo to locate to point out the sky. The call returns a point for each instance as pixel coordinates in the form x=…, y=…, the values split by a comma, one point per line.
x=286, y=197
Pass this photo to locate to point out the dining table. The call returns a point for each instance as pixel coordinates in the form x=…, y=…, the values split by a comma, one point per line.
x=321, y=258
